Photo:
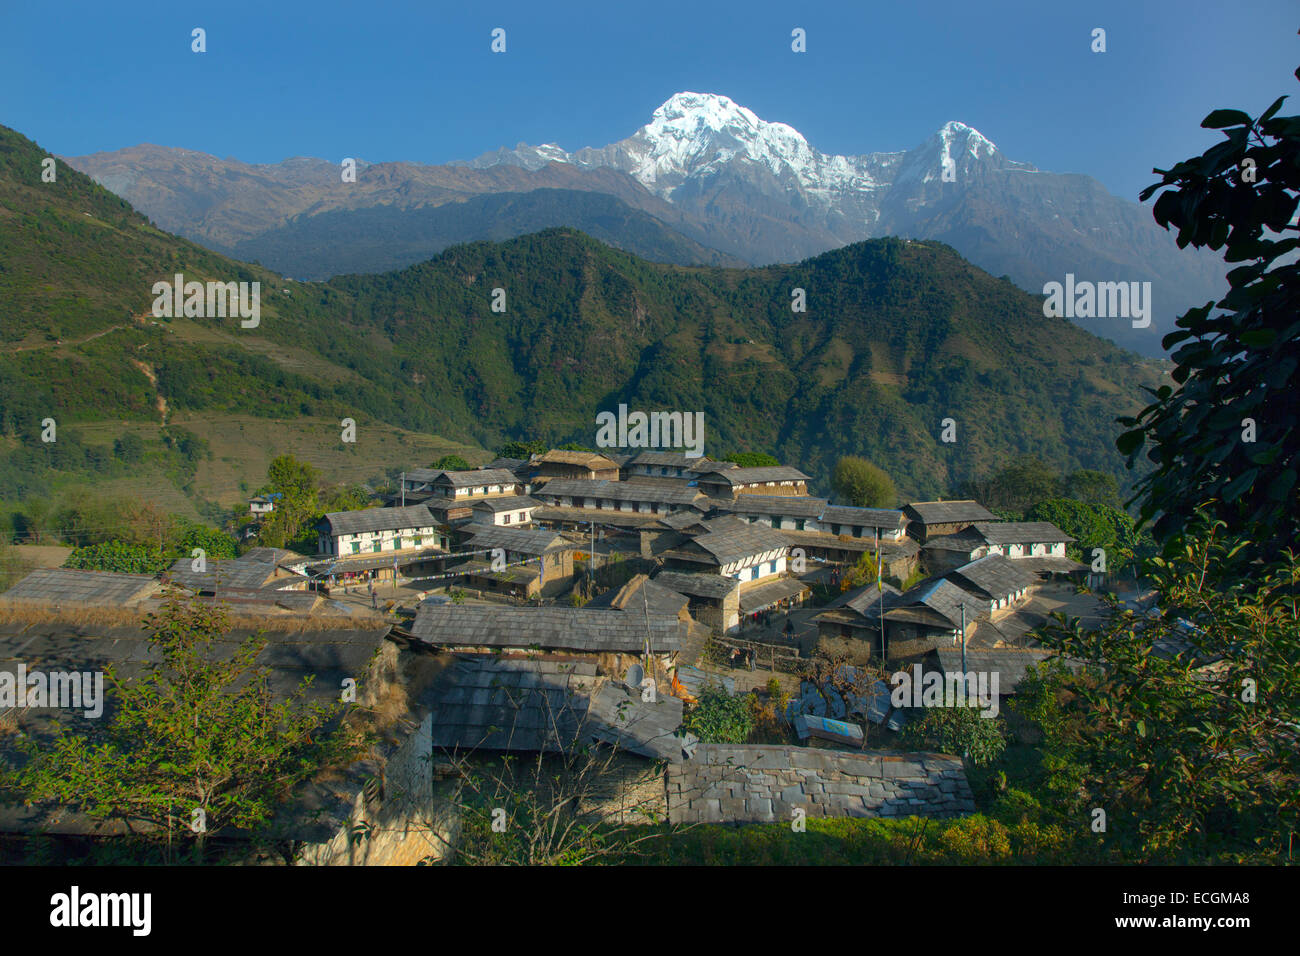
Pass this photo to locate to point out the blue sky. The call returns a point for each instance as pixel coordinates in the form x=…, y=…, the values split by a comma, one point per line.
x=417, y=81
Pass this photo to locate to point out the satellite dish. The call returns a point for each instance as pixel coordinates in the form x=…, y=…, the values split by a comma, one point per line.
x=634, y=676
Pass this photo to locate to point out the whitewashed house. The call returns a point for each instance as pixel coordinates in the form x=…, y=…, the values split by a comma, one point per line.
x=376, y=530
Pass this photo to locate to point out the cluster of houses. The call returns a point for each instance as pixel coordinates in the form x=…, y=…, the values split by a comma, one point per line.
x=734, y=542
x=523, y=667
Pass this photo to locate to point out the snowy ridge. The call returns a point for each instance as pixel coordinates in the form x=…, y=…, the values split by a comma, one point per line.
x=696, y=136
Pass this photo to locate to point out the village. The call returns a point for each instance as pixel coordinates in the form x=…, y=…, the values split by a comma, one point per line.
x=579, y=598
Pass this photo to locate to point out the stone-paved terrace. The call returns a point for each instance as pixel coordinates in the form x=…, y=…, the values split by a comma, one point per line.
x=733, y=783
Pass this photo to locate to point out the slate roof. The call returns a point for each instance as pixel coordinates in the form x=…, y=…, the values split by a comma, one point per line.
x=1050, y=562
x=585, y=459
x=509, y=464
x=703, y=467
x=638, y=594
x=635, y=491
x=769, y=592
x=994, y=576
x=513, y=704
x=506, y=503
x=476, y=477
x=504, y=705
x=255, y=569
x=1020, y=532
x=793, y=506
x=520, y=540
x=1011, y=664
x=664, y=459
x=891, y=518
x=66, y=586
x=942, y=597
x=549, y=628
x=747, y=476
x=712, y=586
x=863, y=600
x=678, y=520
x=379, y=519
x=948, y=512
x=617, y=715
x=423, y=474
x=727, y=544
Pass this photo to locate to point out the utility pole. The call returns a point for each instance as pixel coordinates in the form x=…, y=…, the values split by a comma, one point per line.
x=963, y=639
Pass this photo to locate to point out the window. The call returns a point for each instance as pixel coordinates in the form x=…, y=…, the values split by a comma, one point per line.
x=507, y=519
x=356, y=547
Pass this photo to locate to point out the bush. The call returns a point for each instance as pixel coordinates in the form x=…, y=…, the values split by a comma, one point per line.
x=719, y=718
x=117, y=556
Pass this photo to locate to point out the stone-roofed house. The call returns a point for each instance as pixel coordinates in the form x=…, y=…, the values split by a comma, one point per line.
x=573, y=464
x=662, y=464
x=855, y=614
x=475, y=484
x=733, y=548
x=713, y=600
x=537, y=563
x=999, y=581
x=376, y=530
x=631, y=497
x=929, y=614
x=783, y=512
x=1040, y=541
x=767, y=480
x=255, y=569
x=515, y=511
x=642, y=594
x=889, y=523
x=929, y=519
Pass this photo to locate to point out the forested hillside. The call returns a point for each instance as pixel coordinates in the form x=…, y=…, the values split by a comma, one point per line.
x=896, y=337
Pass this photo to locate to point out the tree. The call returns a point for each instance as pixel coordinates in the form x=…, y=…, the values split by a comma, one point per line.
x=957, y=728
x=863, y=484
x=1095, y=526
x=197, y=731
x=1092, y=487
x=451, y=463
x=522, y=449
x=1022, y=484
x=751, y=459
x=119, y=556
x=1224, y=432
x=297, y=483
x=215, y=544
x=1180, y=725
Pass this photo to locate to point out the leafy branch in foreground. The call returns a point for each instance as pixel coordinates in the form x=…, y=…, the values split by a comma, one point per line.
x=1224, y=431
x=1182, y=723
x=200, y=730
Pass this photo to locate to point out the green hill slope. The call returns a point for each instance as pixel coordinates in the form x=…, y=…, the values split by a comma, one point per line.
x=897, y=336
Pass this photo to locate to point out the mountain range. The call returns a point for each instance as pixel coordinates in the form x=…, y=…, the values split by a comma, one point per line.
x=704, y=182
x=896, y=337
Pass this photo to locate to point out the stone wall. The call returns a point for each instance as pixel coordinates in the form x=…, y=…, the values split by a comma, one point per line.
x=726, y=783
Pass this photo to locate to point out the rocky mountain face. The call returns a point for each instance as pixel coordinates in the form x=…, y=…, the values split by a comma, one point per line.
x=724, y=187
